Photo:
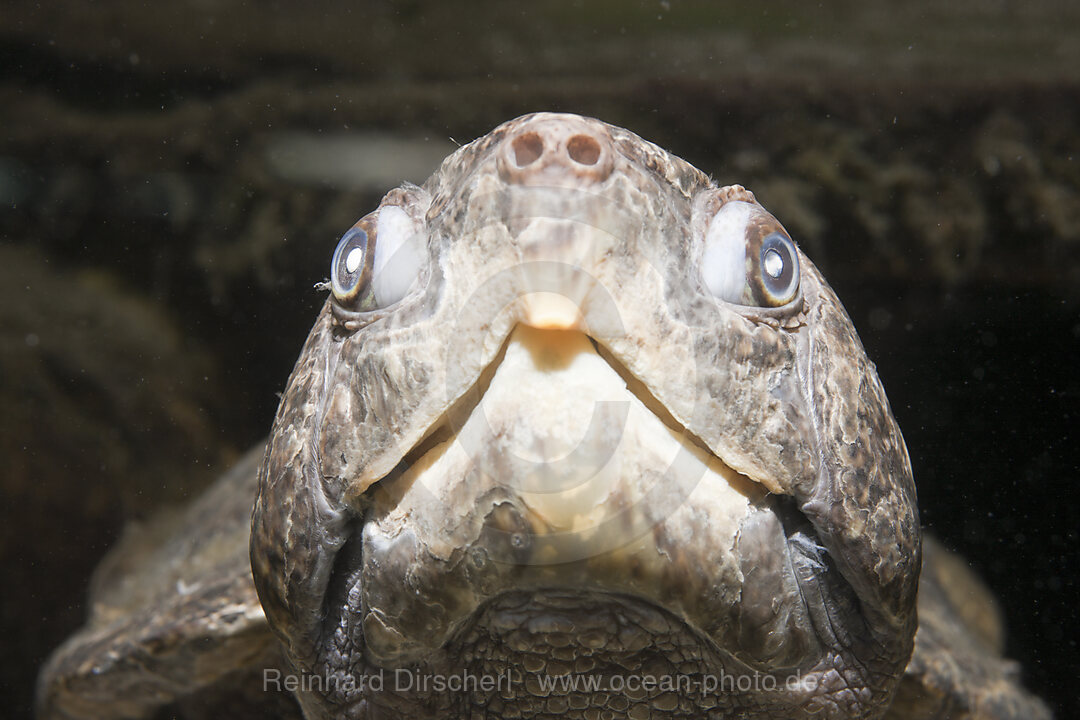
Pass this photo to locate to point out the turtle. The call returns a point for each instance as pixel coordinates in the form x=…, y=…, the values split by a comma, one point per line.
x=577, y=433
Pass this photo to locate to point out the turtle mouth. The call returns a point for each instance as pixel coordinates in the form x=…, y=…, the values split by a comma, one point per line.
x=558, y=469
x=561, y=457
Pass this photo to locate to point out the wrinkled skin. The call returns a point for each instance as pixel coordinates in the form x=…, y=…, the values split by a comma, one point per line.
x=781, y=540
x=557, y=455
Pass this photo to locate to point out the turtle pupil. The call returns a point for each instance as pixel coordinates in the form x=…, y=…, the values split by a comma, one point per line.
x=774, y=263
x=354, y=259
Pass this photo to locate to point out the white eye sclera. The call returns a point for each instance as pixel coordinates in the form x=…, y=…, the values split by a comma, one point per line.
x=378, y=260
x=398, y=256
x=748, y=258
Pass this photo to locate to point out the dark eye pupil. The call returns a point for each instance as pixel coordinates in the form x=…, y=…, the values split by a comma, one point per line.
x=349, y=261
x=354, y=260
x=773, y=263
x=778, y=273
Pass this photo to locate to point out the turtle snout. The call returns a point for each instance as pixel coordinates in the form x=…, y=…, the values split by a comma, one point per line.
x=556, y=150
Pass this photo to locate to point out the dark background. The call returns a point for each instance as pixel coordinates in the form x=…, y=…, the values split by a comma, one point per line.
x=174, y=178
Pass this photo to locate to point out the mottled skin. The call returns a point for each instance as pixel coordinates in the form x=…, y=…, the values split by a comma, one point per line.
x=782, y=542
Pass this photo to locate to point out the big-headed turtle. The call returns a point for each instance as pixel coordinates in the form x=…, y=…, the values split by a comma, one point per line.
x=577, y=434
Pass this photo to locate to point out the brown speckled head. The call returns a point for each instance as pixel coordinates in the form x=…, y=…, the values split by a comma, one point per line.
x=555, y=431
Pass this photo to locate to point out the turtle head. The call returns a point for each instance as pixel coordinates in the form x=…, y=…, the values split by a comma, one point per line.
x=574, y=410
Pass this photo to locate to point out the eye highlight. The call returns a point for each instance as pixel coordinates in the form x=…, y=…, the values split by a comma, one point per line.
x=350, y=271
x=378, y=261
x=779, y=264
x=749, y=259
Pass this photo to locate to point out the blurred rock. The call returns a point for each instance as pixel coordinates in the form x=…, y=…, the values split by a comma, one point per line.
x=369, y=162
x=109, y=413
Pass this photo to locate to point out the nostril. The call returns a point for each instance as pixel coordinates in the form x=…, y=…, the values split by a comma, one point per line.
x=554, y=150
x=527, y=148
x=583, y=149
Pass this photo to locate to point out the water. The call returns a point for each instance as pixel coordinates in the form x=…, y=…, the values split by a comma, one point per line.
x=173, y=181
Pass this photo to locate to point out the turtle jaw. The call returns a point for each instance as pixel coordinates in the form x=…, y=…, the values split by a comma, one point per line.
x=561, y=478
x=819, y=572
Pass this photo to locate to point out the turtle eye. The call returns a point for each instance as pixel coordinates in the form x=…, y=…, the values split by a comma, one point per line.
x=377, y=261
x=351, y=266
x=749, y=258
x=777, y=271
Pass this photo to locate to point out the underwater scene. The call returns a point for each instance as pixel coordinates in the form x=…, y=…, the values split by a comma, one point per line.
x=188, y=188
